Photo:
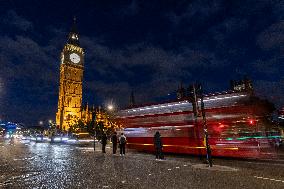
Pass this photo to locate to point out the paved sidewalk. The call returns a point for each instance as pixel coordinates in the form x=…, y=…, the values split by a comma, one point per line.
x=44, y=165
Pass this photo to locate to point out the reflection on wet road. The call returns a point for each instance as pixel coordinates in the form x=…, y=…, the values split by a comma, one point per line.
x=43, y=165
x=36, y=163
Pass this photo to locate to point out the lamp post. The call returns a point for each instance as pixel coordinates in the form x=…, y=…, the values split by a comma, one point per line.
x=208, y=149
x=194, y=100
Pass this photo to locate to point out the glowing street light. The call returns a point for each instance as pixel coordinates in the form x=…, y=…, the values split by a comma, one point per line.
x=40, y=122
x=110, y=107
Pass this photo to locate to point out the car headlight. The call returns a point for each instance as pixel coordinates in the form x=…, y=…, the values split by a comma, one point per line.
x=57, y=139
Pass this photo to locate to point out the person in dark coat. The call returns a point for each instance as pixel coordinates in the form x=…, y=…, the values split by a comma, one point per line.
x=104, y=142
x=122, y=143
x=114, y=142
x=158, y=146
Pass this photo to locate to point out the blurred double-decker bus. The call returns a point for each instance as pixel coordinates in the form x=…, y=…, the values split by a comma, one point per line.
x=238, y=123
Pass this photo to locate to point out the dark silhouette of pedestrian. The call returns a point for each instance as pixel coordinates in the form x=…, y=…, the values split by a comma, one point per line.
x=114, y=142
x=158, y=146
x=104, y=142
x=122, y=143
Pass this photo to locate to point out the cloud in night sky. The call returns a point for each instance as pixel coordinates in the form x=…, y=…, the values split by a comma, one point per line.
x=143, y=66
x=273, y=37
x=145, y=47
x=13, y=20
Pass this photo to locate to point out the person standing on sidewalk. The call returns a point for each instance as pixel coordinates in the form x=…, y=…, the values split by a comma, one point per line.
x=114, y=142
x=122, y=143
x=158, y=146
x=104, y=142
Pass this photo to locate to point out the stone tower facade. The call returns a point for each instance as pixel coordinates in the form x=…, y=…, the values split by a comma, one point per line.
x=70, y=84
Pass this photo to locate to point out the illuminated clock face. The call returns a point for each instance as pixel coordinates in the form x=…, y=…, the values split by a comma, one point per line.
x=75, y=58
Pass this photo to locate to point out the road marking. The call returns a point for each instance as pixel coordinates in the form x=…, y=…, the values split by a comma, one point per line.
x=268, y=163
x=15, y=159
x=85, y=149
x=272, y=179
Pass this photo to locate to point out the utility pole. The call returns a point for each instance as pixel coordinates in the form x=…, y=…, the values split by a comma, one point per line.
x=199, y=92
x=193, y=98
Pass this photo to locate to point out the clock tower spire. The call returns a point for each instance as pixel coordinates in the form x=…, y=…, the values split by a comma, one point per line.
x=73, y=37
x=70, y=82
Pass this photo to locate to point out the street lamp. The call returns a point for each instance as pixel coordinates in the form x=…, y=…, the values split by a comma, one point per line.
x=110, y=107
x=208, y=148
x=198, y=93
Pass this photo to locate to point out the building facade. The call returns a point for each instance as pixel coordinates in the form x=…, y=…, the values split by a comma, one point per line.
x=71, y=79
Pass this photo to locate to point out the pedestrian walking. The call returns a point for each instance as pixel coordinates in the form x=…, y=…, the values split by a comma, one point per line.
x=158, y=146
x=122, y=143
x=114, y=142
x=104, y=142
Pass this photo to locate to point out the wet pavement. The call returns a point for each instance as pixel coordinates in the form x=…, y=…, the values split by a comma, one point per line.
x=44, y=165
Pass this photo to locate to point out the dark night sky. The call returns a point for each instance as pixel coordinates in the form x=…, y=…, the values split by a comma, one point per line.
x=145, y=46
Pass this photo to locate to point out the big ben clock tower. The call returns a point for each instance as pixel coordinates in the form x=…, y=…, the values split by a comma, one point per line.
x=70, y=84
